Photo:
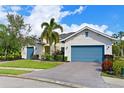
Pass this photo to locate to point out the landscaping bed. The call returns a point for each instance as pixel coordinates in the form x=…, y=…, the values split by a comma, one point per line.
x=12, y=72
x=116, y=69
x=112, y=76
x=31, y=64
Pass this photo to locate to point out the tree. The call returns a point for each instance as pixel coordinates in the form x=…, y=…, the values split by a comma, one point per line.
x=11, y=37
x=49, y=33
x=4, y=40
x=118, y=46
x=16, y=26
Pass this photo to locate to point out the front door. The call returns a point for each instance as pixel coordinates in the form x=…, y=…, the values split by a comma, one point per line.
x=30, y=52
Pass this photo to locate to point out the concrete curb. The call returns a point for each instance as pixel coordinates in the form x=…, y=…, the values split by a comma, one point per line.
x=71, y=85
x=27, y=69
x=115, y=81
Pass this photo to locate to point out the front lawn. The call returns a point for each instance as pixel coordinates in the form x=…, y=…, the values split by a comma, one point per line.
x=30, y=64
x=12, y=72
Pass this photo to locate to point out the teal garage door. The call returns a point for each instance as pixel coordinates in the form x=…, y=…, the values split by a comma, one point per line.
x=87, y=53
x=30, y=52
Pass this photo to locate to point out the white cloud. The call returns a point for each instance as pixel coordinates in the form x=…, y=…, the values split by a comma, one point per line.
x=4, y=10
x=3, y=18
x=15, y=8
x=75, y=27
x=76, y=11
x=79, y=10
x=41, y=14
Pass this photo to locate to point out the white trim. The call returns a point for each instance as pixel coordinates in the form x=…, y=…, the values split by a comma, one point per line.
x=86, y=27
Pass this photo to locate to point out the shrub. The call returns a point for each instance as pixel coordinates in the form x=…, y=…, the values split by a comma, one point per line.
x=108, y=57
x=2, y=58
x=117, y=66
x=35, y=57
x=60, y=58
x=107, y=66
x=65, y=58
x=10, y=57
x=47, y=57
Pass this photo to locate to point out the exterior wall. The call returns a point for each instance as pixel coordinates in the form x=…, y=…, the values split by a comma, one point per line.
x=38, y=50
x=92, y=39
x=24, y=52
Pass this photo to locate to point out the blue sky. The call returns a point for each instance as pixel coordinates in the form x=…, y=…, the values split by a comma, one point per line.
x=109, y=19
x=111, y=16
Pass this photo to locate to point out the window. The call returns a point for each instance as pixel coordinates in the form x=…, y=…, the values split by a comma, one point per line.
x=86, y=34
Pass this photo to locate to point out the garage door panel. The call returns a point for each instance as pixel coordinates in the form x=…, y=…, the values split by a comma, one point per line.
x=87, y=53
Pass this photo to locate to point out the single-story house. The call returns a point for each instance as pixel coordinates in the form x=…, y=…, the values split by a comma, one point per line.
x=85, y=45
x=27, y=52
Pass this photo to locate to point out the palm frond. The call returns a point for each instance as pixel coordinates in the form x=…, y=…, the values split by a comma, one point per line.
x=44, y=24
x=55, y=36
x=58, y=27
x=52, y=21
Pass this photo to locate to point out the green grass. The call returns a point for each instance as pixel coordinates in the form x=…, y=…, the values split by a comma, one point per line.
x=12, y=72
x=112, y=76
x=31, y=64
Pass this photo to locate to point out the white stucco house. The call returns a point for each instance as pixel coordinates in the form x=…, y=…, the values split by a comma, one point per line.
x=85, y=45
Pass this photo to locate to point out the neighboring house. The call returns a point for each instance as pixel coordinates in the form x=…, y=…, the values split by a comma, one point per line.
x=29, y=51
x=85, y=45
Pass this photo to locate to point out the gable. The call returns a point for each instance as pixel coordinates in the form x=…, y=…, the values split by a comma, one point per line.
x=88, y=28
x=93, y=39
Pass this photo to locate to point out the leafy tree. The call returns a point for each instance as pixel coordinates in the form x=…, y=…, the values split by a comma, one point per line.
x=118, y=47
x=49, y=33
x=4, y=40
x=11, y=36
x=16, y=26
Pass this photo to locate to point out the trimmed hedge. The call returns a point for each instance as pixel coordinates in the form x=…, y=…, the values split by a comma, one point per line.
x=48, y=57
x=10, y=57
x=117, y=66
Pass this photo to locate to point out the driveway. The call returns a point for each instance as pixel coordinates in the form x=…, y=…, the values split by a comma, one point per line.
x=86, y=74
x=10, y=82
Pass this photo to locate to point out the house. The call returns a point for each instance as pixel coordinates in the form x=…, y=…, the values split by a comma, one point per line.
x=28, y=51
x=85, y=45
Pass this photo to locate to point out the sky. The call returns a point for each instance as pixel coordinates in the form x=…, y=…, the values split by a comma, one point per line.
x=107, y=19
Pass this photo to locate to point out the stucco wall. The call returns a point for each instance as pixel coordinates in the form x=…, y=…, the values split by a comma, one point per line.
x=92, y=39
x=24, y=52
x=38, y=50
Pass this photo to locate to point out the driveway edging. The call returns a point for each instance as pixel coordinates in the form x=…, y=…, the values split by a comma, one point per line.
x=72, y=85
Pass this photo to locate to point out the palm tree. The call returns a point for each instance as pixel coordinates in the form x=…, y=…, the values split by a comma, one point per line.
x=49, y=33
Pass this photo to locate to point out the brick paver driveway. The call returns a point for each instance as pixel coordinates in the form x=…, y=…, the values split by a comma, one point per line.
x=83, y=73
